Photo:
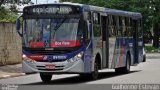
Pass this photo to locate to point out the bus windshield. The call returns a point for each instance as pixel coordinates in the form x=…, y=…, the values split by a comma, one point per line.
x=59, y=32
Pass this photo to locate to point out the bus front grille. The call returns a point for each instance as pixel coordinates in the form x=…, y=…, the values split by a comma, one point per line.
x=55, y=69
x=51, y=60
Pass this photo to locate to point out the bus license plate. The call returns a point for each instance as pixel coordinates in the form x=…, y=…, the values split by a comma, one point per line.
x=50, y=66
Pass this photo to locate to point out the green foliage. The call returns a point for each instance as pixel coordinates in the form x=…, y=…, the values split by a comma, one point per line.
x=17, y=1
x=152, y=49
x=76, y=1
x=11, y=15
x=7, y=16
x=3, y=13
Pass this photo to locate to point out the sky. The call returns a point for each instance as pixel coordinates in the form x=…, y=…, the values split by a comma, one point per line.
x=43, y=1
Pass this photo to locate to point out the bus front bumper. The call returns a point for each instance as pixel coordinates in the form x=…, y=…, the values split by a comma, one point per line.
x=67, y=66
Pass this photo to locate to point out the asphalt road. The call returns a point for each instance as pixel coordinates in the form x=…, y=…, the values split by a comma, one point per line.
x=144, y=73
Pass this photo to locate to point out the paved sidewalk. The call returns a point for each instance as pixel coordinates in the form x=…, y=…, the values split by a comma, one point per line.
x=11, y=71
x=153, y=56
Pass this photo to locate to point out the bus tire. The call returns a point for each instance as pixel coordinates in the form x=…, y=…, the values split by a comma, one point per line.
x=45, y=77
x=144, y=58
x=94, y=74
x=125, y=69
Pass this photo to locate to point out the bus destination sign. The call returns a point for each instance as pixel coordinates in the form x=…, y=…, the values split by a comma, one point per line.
x=52, y=10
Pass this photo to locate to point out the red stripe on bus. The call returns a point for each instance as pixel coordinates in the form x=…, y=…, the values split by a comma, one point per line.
x=67, y=43
x=121, y=54
x=37, y=44
x=36, y=57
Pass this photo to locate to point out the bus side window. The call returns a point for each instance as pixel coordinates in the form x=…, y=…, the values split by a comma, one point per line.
x=124, y=27
x=128, y=27
x=112, y=26
x=119, y=30
x=96, y=25
x=139, y=28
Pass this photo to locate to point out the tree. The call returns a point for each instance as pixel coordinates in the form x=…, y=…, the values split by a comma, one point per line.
x=7, y=16
x=3, y=13
x=156, y=21
x=13, y=8
x=76, y=1
x=15, y=2
x=11, y=14
x=1, y=2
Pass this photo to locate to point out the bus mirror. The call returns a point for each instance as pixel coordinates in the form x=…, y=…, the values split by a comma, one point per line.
x=18, y=26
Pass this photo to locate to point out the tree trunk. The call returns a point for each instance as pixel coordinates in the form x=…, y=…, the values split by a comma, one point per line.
x=156, y=34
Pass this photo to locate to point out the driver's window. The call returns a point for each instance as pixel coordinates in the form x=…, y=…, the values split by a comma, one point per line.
x=87, y=25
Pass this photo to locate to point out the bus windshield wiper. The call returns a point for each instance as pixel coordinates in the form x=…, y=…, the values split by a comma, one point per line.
x=58, y=26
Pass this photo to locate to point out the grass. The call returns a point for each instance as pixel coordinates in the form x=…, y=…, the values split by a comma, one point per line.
x=150, y=49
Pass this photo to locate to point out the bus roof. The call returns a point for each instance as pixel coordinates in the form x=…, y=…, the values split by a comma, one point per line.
x=108, y=10
x=133, y=15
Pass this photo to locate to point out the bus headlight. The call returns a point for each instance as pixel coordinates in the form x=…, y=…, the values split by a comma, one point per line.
x=79, y=55
x=24, y=56
x=76, y=58
x=28, y=60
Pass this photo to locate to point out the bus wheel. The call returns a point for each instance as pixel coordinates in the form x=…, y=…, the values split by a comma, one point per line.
x=125, y=69
x=144, y=58
x=94, y=74
x=45, y=77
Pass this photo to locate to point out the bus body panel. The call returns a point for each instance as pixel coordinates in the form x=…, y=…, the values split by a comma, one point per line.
x=88, y=58
x=123, y=46
x=112, y=52
x=97, y=50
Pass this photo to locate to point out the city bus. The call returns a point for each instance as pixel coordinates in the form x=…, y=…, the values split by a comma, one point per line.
x=72, y=38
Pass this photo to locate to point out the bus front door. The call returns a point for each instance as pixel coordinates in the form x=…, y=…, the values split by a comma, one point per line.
x=105, y=42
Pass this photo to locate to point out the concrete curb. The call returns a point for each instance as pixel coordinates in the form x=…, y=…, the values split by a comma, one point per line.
x=12, y=75
x=9, y=71
x=153, y=55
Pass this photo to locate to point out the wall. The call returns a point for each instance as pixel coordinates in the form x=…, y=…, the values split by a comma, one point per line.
x=10, y=44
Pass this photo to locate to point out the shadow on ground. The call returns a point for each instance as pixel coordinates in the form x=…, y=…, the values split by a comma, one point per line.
x=79, y=79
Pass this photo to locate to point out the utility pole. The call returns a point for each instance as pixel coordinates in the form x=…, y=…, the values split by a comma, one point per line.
x=36, y=1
